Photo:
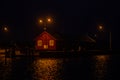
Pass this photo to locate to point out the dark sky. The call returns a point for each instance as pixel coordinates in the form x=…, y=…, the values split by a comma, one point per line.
x=69, y=16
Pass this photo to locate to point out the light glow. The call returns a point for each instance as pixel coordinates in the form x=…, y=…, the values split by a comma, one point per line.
x=100, y=27
x=49, y=20
x=45, y=46
x=39, y=43
x=51, y=42
x=5, y=29
x=41, y=21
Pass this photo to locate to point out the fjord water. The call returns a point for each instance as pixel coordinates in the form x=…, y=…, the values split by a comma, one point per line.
x=84, y=67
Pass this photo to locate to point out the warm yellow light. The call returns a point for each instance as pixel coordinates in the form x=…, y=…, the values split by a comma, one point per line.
x=49, y=20
x=41, y=21
x=100, y=27
x=46, y=69
x=45, y=46
x=39, y=42
x=51, y=43
x=101, y=57
x=5, y=29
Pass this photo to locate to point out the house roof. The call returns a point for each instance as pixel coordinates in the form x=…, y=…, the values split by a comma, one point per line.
x=87, y=38
x=45, y=32
x=57, y=36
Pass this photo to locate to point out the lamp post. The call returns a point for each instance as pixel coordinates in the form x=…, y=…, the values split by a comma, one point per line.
x=5, y=28
x=110, y=40
x=101, y=28
x=5, y=31
x=44, y=22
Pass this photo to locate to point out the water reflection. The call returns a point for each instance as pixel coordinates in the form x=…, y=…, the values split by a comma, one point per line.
x=47, y=69
x=5, y=68
x=24, y=68
x=101, y=62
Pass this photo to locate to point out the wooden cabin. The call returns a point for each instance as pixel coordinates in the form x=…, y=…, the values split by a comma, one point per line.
x=45, y=41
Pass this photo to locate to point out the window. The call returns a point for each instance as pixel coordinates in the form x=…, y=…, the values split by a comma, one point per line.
x=51, y=42
x=39, y=43
x=45, y=46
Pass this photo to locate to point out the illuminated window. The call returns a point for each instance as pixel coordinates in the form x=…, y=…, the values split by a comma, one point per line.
x=39, y=43
x=51, y=42
x=45, y=46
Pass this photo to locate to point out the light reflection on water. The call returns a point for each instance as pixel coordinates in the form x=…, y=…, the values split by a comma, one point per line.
x=101, y=64
x=47, y=69
x=56, y=68
x=5, y=68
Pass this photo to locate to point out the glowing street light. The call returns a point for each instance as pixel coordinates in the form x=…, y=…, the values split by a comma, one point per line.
x=101, y=28
x=44, y=22
x=49, y=20
x=41, y=21
x=5, y=29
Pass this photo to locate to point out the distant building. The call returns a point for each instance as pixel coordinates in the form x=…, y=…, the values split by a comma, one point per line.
x=86, y=42
x=45, y=41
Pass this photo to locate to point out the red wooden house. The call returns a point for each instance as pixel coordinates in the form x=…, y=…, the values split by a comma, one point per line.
x=45, y=41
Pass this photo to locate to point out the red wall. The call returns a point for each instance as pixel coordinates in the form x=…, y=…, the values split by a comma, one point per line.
x=45, y=37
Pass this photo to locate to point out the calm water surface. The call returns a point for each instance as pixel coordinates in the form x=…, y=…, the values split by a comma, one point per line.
x=88, y=67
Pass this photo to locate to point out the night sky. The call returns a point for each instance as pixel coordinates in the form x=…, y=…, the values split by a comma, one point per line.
x=70, y=17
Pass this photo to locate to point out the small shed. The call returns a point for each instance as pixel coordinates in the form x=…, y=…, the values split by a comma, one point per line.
x=45, y=41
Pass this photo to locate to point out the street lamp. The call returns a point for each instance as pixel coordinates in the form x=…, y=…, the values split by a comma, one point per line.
x=101, y=28
x=5, y=29
x=49, y=20
x=44, y=22
x=41, y=21
x=110, y=41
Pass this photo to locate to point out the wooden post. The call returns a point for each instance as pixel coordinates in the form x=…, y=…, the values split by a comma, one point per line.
x=5, y=56
x=110, y=43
